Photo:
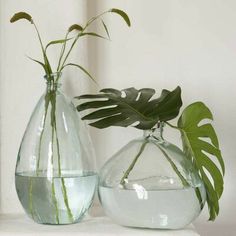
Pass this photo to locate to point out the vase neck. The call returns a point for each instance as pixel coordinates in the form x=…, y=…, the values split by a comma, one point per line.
x=156, y=132
x=52, y=81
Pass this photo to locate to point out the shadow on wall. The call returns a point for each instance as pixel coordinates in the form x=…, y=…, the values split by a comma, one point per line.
x=214, y=229
x=92, y=49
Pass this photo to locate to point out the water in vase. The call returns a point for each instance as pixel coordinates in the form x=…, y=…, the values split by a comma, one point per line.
x=57, y=200
x=166, y=209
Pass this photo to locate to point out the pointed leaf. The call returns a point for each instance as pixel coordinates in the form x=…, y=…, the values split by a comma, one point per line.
x=93, y=34
x=39, y=62
x=57, y=42
x=130, y=106
x=20, y=16
x=106, y=29
x=75, y=27
x=81, y=68
x=122, y=14
x=197, y=150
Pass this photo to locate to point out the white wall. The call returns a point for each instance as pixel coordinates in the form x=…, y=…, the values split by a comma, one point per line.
x=172, y=42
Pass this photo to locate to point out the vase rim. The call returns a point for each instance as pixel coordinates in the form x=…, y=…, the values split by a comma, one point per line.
x=156, y=130
x=52, y=75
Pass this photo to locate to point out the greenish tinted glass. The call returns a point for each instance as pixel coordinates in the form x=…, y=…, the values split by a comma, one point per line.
x=150, y=183
x=55, y=177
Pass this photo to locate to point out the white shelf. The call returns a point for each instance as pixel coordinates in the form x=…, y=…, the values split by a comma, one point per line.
x=95, y=226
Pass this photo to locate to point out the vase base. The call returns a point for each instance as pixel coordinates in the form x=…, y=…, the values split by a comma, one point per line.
x=155, y=209
x=57, y=200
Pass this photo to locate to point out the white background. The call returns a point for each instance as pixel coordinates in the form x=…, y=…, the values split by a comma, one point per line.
x=191, y=43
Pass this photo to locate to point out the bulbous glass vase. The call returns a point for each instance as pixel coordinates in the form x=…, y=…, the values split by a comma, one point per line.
x=150, y=183
x=55, y=178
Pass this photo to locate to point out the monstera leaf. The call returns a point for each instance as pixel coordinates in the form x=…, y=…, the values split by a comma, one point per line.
x=201, y=146
x=128, y=106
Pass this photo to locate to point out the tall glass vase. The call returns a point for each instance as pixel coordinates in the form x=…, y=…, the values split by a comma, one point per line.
x=55, y=178
x=150, y=183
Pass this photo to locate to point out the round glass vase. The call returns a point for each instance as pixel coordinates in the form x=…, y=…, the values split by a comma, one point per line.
x=150, y=183
x=55, y=178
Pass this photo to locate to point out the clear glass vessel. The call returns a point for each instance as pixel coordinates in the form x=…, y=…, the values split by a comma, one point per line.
x=55, y=178
x=150, y=183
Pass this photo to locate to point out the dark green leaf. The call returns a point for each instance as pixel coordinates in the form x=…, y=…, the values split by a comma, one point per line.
x=75, y=27
x=81, y=68
x=197, y=149
x=135, y=106
x=122, y=14
x=20, y=16
x=92, y=34
x=57, y=42
x=106, y=29
x=39, y=62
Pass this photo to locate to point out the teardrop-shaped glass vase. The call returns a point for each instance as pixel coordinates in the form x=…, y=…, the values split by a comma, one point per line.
x=55, y=178
x=150, y=183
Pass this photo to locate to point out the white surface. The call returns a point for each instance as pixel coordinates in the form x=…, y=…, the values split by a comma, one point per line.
x=173, y=42
x=20, y=225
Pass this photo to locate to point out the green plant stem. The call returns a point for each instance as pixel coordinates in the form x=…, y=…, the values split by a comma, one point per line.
x=183, y=180
x=197, y=191
x=54, y=199
x=172, y=126
x=62, y=51
x=127, y=172
x=30, y=197
x=65, y=197
x=199, y=196
x=46, y=61
x=61, y=66
x=64, y=191
x=54, y=125
x=38, y=160
x=43, y=129
x=68, y=54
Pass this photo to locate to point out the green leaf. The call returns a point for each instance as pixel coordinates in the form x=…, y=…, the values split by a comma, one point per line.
x=198, y=142
x=39, y=62
x=122, y=14
x=75, y=27
x=114, y=109
x=57, y=42
x=92, y=34
x=20, y=16
x=106, y=29
x=81, y=68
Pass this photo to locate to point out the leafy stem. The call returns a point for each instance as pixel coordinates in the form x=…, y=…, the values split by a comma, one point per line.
x=46, y=61
x=172, y=126
x=63, y=55
x=62, y=51
x=47, y=99
x=174, y=167
x=54, y=127
x=54, y=199
x=61, y=66
x=127, y=172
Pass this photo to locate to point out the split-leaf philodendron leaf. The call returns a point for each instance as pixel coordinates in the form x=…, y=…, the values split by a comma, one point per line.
x=198, y=142
x=129, y=106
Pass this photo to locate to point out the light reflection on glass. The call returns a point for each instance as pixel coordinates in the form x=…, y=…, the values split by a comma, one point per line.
x=141, y=191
